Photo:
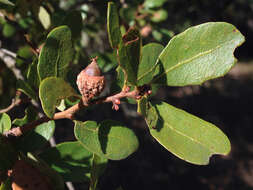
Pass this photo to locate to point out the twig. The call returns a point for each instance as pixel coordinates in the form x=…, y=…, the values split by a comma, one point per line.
x=13, y=104
x=69, y=113
x=8, y=58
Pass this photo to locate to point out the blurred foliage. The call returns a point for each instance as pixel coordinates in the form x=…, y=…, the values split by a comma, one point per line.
x=25, y=26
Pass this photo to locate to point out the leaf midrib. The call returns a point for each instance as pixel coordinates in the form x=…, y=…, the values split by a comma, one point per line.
x=191, y=138
x=185, y=61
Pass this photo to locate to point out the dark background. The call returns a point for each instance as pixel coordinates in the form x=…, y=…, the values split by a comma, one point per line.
x=227, y=102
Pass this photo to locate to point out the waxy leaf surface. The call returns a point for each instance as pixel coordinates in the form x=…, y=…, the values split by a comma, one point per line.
x=70, y=159
x=113, y=27
x=109, y=139
x=51, y=91
x=186, y=136
x=56, y=54
x=150, y=54
x=198, y=54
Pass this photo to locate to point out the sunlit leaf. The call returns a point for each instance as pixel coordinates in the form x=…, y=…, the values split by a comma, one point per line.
x=186, y=136
x=200, y=53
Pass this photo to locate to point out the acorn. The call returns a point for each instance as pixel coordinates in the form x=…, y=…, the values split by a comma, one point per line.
x=90, y=82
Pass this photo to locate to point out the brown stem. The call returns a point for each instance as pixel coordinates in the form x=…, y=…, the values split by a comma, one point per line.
x=69, y=113
x=15, y=102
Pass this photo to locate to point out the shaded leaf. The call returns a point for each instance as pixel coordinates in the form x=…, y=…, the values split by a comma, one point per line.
x=200, y=53
x=32, y=75
x=56, y=54
x=8, y=30
x=150, y=53
x=70, y=160
x=142, y=106
x=186, y=136
x=109, y=139
x=5, y=123
x=37, y=138
x=75, y=22
x=30, y=115
x=51, y=91
x=98, y=167
x=6, y=185
x=44, y=17
x=113, y=27
x=25, y=87
x=53, y=177
x=8, y=154
x=129, y=53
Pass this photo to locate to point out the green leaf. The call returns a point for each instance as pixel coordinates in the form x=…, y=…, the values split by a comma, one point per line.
x=142, y=106
x=5, y=123
x=75, y=22
x=200, y=53
x=51, y=91
x=32, y=75
x=6, y=185
x=113, y=27
x=70, y=160
x=37, y=138
x=153, y=4
x=44, y=17
x=109, y=139
x=56, y=54
x=30, y=115
x=129, y=53
x=150, y=53
x=25, y=87
x=8, y=30
x=7, y=2
x=186, y=136
x=8, y=155
x=98, y=167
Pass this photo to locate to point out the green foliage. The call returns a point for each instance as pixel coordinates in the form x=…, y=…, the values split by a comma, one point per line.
x=207, y=53
x=56, y=54
x=30, y=115
x=98, y=167
x=188, y=137
x=63, y=40
x=113, y=27
x=37, y=138
x=70, y=160
x=109, y=139
x=129, y=52
x=51, y=91
x=5, y=123
x=150, y=53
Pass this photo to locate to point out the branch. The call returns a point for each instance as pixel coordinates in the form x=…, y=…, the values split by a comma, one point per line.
x=69, y=113
x=15, y=102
